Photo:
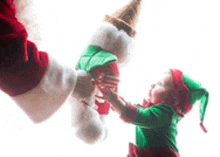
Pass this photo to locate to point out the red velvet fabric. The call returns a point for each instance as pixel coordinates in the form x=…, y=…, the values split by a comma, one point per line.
x=22, y=66
x=110, y=69
x=9, y=24
x=103, y=108
x=134, y=151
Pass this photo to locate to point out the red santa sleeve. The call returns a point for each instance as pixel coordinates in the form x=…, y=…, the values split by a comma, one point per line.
x=35, y=81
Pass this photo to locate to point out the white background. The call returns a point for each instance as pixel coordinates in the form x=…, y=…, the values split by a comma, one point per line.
x=182, y=34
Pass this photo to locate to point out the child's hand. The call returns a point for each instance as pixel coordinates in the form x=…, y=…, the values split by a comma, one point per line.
x=108, y=81
x=110, y=95
x=108, y=86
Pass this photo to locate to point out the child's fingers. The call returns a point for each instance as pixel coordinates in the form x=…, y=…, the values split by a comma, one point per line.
x=111, y=82
x=113, y=91
x=111, y=78
x=108, y=85
x=106, y=93
x=104, y=90
x=108, y=79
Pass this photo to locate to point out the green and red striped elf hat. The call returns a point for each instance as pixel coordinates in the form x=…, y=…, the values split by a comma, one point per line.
x=190, y=92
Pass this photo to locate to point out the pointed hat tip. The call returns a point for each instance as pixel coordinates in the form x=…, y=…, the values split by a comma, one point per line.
x=126, y=17
x=203, y=127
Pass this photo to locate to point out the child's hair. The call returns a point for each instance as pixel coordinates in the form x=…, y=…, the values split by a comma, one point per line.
x=173, y=99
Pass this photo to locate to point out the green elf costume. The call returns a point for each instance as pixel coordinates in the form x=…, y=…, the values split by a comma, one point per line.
x=156, y=124
x=108, y=49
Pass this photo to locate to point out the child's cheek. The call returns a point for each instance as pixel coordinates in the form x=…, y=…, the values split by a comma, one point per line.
x=153, y=96
x=157, y=96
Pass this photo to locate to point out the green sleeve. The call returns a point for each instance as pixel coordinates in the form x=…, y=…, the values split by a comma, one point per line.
x=154, y=117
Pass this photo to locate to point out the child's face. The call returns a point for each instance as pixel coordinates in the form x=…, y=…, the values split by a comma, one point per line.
x=162, y=89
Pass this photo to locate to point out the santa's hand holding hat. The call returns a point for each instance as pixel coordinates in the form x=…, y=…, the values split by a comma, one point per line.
x=40, y=85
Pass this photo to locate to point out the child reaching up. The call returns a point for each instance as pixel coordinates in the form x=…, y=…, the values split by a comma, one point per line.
x=156, y=120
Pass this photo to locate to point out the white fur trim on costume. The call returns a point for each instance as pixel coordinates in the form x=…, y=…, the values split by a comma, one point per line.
x=88, y=124
x=45, y=99
x=115, y=41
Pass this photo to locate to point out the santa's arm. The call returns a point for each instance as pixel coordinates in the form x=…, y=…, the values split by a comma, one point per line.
x=35, y=81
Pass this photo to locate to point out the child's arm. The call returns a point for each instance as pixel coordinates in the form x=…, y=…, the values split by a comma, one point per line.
x=107, y=85
x=156, y=116
x=113, y=98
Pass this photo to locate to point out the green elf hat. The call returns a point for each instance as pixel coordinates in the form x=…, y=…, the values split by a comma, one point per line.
x=190, y=92
x=94, y=57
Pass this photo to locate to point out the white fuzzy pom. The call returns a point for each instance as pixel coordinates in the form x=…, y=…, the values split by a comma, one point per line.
x=115, y=41
x=91, y=133
x=87, y=122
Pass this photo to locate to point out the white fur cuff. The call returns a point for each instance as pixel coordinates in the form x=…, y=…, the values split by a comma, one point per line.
x=44, y=100
x=113, y=40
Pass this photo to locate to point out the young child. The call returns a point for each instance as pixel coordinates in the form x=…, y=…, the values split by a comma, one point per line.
x=156, y=120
